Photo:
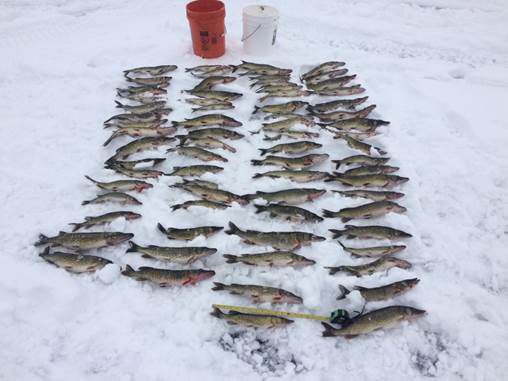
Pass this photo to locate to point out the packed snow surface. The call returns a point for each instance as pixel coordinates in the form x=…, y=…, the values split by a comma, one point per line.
x=438, y=70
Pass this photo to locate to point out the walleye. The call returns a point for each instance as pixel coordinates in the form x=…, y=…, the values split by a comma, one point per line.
x=291, y=148
x=272, y=259
x=75, y=263
x=262, y=82
x=260, y=69
x=144, y=108
x=182, y=255
x=215, y=195
x=215, y=133
x=358, y=135
x=361, y=160
x=344, y=115
x=205, y=142
x=326, y=75
x=164, y=278
x=383, y=181
x=143, y=98
x=204, y=203
x=274, y=88
x=322, y=68
x=134, y=173
x=289, y=213
x=300, y=162
x=195, y=170
x=361, y=146
x=215, y=94
x=122, y=185
x=290, y=196
x=280, y=108
x=208, y=120
x=134, y=132
x=330, y=84
x=147, y=117
x=296, y=176
x=139, y=145
x=85, y=241
x=198, y=153
x=371, y=195
x=209, y=70
x=259, y=294
x=205, y=101
x=371, y=170
x=348, y=104
x=104, y=219
x=380, y=264
x=360, y=124
x=151, y=70
x=342, y=91
x=369, y=232
x=251, y=320
x=161, y=81
x=366, y=211
x=117, y=197
x=140, y=90
x=278, y=240
x=214, y=107
x=211, y=81
x=136, y=124
x=371, y=321
x=376, y=251
x=288, y=93
x=190, y=233
x=142, y=163
x=377, y=294
x=201, y=183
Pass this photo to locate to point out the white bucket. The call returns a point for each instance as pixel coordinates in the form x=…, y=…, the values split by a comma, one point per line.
x=259, y=28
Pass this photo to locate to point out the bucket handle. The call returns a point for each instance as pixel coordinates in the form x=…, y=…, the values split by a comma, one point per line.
x=250, y=35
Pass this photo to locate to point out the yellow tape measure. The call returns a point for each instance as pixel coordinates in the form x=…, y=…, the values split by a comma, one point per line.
x=261, y=311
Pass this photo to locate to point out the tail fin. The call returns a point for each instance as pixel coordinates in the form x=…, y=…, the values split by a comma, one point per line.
x=132, y=247
x=333, y=270
x=343, y=292
x=45, y=252
x=231, y=258
x=336, y=233
x=260, y=208
x=75, y=226
x=86, y=202
x=337, y=163
x=233, y=229
x=256, y=162
x=329, y=214
x=161, y=228
x=218, y=286
x=217, y=313
x=92, y=180
x=42, y=240
x=256, y=108
x=264, y=151
x=119, y=105
x=342, y=245
x=174, y=123
x=176, y=207
x=113, y=135
x=257, y=175
x=128, y=271
x=329, y=330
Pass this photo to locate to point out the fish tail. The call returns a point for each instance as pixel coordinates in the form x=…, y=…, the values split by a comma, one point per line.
x=176, y=207
x=86, y=202
x=337, y=163
x=75, y=226
x=45, y=252
x=218, y=286
x=329, y=177
x=263, y=151
x=174, y=123
x=132, y=247
x=231, y=258
x=110, y=139
x=329, y=330
x=343, y=292
x=328, y=213
x=260, y=208
x=256, y=162
x=256, y=108
x=257, y=175
x=336, y=233
x=119, y=105
x=92, y=180
x=217, y=313
x=128, y=271
x=233, y=229
x=161, y=228
x=42, y=240
x=333, y=270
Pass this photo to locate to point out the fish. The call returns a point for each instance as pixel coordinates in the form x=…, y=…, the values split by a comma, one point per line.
x=205, y=142
x=75, y=263
x=344, y=115
x=280, y=108
x=361, y=160
x=203, y=203
x=370, y=194
x=277, y=80
x=161, y=81
x=369, y=232
x=165, y=278
x=198, y=153
x=142, y=163
x=215, y=133
x=195, y=170
x=260, y=69
x=381, y=264
x=251, y=320
x=134, y=173
x=378, y=294
x=361, y=124
x=182, y=255
x=104, y=219
x=300, y=162
x=376, y=251
x=208, y=120
x=144, y=108
x=259, y=294
x=272, y=259
x=215, y=94
x=286, y=94
x=122, y=185
x=140, y=90
x=214, y=107
x=342, y=91
x=278, y=240
x=362, y=146
x=358, y=135
x=286, y=124
x=348, y=104
x=204, y=71
x=117, y=197
x=215, y=195
x=374, y=320
x=289, y=213
x=136, y=124
x=326, y=75
x=275, y=88
x=292, y=196
x=371, y=169
x=331, y=84
x=366, y=211
x=202, y=183
x=151, y=70
x=143, y=98
x=381, y=180
x=147, y=117
x=211, y=81
x=206, y=101
x=291, y=148
x=134, y=132
x=190, y=233
x=139, y=145
x=293, y=134
x=84, y=241
x=322, y=68
x=296, y=176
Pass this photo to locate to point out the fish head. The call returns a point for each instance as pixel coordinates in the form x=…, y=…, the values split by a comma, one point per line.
x=394, y=195
x=230, y=122
x=401, y=180
x=228, y=79
x=305, y=262
x=289, y=298
x=410, y=283
x=210, y=251
x=317, y=238
x=201, y=275
x=317, y=194
x=414, y=313
x=118, y=238
x=399, y=209
x=132, y=216
x=400, y=263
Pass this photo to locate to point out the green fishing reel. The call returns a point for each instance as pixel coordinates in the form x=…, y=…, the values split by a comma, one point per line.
x=339, y=316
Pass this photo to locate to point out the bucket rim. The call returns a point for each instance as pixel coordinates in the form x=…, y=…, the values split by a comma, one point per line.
x=260, y=11
x=218, y=9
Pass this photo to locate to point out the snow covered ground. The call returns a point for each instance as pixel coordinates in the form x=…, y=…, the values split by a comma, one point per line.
x=438, y=70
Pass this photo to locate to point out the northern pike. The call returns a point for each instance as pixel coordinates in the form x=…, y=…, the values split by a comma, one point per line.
x=272, y=259
x=182, y=255
x=122, y=185
x=116, y=197
x=251, y=320
x=104, y=219
x=75, y=263
x=366, y=211
x=369, y=232
x=164, y=278
x=380, y=264
x=296, y=176
x=85, y=241
x=289, y=213
x=259, y=294
x=190, y=233
x=300, y=162
x=377, y=294
x=292, y=196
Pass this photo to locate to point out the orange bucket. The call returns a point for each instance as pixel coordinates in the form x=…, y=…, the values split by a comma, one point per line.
x=206, y=19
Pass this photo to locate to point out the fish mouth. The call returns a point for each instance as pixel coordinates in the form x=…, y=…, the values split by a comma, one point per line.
x=318, y=238
x=233, y=124
x=229, y=80
x=133, y=216
x=203, y=275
